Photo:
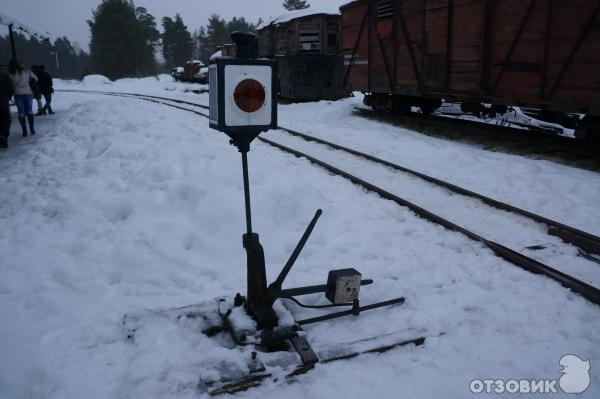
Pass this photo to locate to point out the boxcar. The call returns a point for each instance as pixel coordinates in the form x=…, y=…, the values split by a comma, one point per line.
x=307, y=48
x=542, y=54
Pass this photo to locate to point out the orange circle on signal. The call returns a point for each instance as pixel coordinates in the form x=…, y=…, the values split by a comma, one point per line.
x=249, y=95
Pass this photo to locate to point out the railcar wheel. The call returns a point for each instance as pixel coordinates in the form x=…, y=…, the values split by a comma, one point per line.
x=589, y=132
x=428, y=106
x=594, y=137
x=400, y=105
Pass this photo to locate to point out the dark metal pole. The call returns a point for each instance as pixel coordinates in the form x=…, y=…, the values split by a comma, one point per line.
x=247, y=192
x=312, y=289
x=262, y=312
x=12, y=41
x=336, y=315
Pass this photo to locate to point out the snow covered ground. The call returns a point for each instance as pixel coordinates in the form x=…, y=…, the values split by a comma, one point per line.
x=119, y=205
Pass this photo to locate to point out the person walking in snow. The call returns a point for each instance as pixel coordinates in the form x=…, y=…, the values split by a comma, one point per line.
x=22, y=80
x=7, y=89
x=46, y=88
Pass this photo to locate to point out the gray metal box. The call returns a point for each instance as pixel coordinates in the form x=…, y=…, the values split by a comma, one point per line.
x=343, y=285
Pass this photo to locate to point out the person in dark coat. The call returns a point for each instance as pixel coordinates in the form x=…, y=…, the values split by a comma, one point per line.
x=46, y=87
x=7, y=89
x=37, y=95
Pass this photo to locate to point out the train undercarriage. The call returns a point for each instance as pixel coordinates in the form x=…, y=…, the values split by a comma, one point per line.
x=586, y=127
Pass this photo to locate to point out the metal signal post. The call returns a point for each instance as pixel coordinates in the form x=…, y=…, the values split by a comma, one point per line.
x=242, y=105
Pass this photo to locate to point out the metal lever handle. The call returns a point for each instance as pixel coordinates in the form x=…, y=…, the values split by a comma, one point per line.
x=288, y=266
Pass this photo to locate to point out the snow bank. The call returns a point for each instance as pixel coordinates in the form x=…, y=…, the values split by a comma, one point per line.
x=121, y=205
x=96, y=80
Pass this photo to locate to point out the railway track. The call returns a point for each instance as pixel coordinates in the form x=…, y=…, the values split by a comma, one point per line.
x=588, y=244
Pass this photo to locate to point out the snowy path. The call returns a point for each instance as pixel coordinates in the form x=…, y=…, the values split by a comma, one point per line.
x=122, y=205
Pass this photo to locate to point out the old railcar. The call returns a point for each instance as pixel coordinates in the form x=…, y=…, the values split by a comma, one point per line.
x=306, y=45
x=542, y=54
x=191, y=72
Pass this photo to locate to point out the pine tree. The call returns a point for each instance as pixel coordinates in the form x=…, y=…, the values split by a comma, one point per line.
x=217, y=33
x=292, y=5
x=147, y=30
x=42, y=52
x=122, y=40
x=177, y=42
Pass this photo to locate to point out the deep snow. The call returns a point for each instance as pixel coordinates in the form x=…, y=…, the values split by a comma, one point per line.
x=119, y=205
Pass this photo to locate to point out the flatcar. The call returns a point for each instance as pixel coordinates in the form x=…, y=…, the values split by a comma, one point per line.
x=306, y=45
x=538, y=54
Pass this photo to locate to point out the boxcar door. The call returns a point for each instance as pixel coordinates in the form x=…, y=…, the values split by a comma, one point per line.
x=437, y=34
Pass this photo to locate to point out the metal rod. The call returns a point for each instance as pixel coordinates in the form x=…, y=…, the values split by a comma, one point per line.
x=449, y=32
x=573, y=238
x=486, y=47
x=247, y=192
x=350, y=312
x=55, y=54
x=288, y=266
x=12, y=41
x=370, y=46
x=548, y=30
x=312, y=289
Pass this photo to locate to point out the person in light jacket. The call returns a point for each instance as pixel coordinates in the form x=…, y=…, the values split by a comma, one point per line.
x=21, y=78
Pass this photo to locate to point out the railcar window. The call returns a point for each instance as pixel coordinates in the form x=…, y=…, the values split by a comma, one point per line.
x=332, y=38
x=264, y=44
x=309, y=37
x=282, y=41
x=385, y=9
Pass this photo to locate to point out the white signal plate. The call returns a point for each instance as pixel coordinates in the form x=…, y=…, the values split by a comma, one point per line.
x=234, y=74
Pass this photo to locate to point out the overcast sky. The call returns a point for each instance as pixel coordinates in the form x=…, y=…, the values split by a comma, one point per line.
x=67, y=17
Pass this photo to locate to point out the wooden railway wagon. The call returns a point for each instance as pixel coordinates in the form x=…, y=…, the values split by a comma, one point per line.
x=543, y=54
x=191, y=73
x=307, y=48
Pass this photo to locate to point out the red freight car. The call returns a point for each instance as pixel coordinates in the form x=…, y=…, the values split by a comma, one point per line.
x=542, y=54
